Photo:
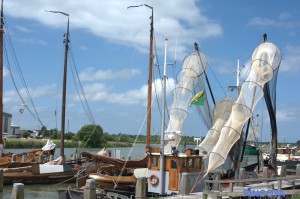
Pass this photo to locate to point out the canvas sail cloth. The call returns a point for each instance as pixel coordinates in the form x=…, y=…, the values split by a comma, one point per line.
x=265, y=59
x=222, y=112
x=193, y=66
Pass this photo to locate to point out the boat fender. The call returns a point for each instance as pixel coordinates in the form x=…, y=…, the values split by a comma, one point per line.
x=153, y=179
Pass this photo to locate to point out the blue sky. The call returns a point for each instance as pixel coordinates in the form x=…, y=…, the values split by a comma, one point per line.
x=110, y=47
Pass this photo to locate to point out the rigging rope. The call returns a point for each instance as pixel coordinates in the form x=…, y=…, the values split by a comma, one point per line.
x=16, y=62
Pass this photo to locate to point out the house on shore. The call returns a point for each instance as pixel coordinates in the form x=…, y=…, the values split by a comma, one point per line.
x=9, y=129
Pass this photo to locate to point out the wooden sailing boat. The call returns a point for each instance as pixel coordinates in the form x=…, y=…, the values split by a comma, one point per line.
x=58, y=170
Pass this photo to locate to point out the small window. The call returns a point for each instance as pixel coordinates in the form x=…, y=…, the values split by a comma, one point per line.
x=197, y=163
x=191, y=163
x=183, y=163
x=174, y=164
x=154, y=161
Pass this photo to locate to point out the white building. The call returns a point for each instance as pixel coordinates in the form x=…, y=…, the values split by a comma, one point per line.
x=8, y=128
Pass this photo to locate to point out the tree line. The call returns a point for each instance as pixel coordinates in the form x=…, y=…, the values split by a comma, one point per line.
x=93, y=136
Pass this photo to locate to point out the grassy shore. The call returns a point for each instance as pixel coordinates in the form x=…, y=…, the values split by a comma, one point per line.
x=16, y=143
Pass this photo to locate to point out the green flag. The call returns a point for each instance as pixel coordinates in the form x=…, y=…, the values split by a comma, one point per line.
x=198, y=99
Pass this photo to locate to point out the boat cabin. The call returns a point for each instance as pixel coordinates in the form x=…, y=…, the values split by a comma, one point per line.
x=180, y=173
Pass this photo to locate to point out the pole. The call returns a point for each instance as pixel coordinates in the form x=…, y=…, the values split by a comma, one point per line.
x=1, y=81
x=63, y=111
x=148, y=132
x=162, y=158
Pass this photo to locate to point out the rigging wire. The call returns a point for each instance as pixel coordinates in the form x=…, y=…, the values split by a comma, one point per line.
x=80, y=90
x=15, y=60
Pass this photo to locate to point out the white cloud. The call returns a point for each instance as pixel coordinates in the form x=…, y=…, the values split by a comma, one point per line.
x=291, y=59
x=101, y=92
x=12, y=96
x=284, y=21
x=32, y=41
x=91, y=74
x=285, y=115
x=22, y=28
x=113, y=21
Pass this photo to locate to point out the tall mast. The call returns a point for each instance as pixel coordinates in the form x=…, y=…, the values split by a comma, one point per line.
x=1, y=76
x=149, y=85
x=64, y=89
x=162, y=144
x=63, y=108
x=149, y=78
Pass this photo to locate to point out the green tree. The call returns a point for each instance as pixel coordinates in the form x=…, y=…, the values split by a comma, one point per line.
x=26, y=134
x=69, y=136
x=91, y=135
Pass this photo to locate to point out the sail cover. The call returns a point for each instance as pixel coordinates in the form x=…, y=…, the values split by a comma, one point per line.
x=193, y=66
x=265, y=59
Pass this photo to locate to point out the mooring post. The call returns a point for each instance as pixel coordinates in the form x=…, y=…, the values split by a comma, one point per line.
x=13, y=158
x=242, y=176
x=89, y=189
x=265, y=172
x=24, y=157
x=283, y=171
x=298, y=170
x=140, y=188
x=18, y=191
x=1, y=180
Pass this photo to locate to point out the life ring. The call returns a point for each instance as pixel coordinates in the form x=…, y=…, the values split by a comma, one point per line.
x=153, y=179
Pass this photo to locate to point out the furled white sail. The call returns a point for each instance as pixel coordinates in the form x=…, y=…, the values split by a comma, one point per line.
x=265, y=58
x=193, y=66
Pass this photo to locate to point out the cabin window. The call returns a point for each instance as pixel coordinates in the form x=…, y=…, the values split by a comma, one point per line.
x=174, y=164
x=190, y=161
x=154, y=161
x=197, y=163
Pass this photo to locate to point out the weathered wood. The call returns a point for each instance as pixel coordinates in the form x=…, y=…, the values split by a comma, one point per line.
x=18, y=191
x=17, y=169
x=80, y=181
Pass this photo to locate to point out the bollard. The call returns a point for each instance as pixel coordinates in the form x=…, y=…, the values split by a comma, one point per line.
x=140, y=188
x=13, y=158
x=1, y=180
x=242, y=176
x=24, y=157
x=265, y=172
x=18, y=191
x=283, y=171
x=298, y=170
x=89, y=189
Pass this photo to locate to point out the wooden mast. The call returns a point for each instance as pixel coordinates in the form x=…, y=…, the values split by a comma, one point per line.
x=149, y=84
x=63, y=108
x=64, y=89
x=1, y=76
x=149, y=78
